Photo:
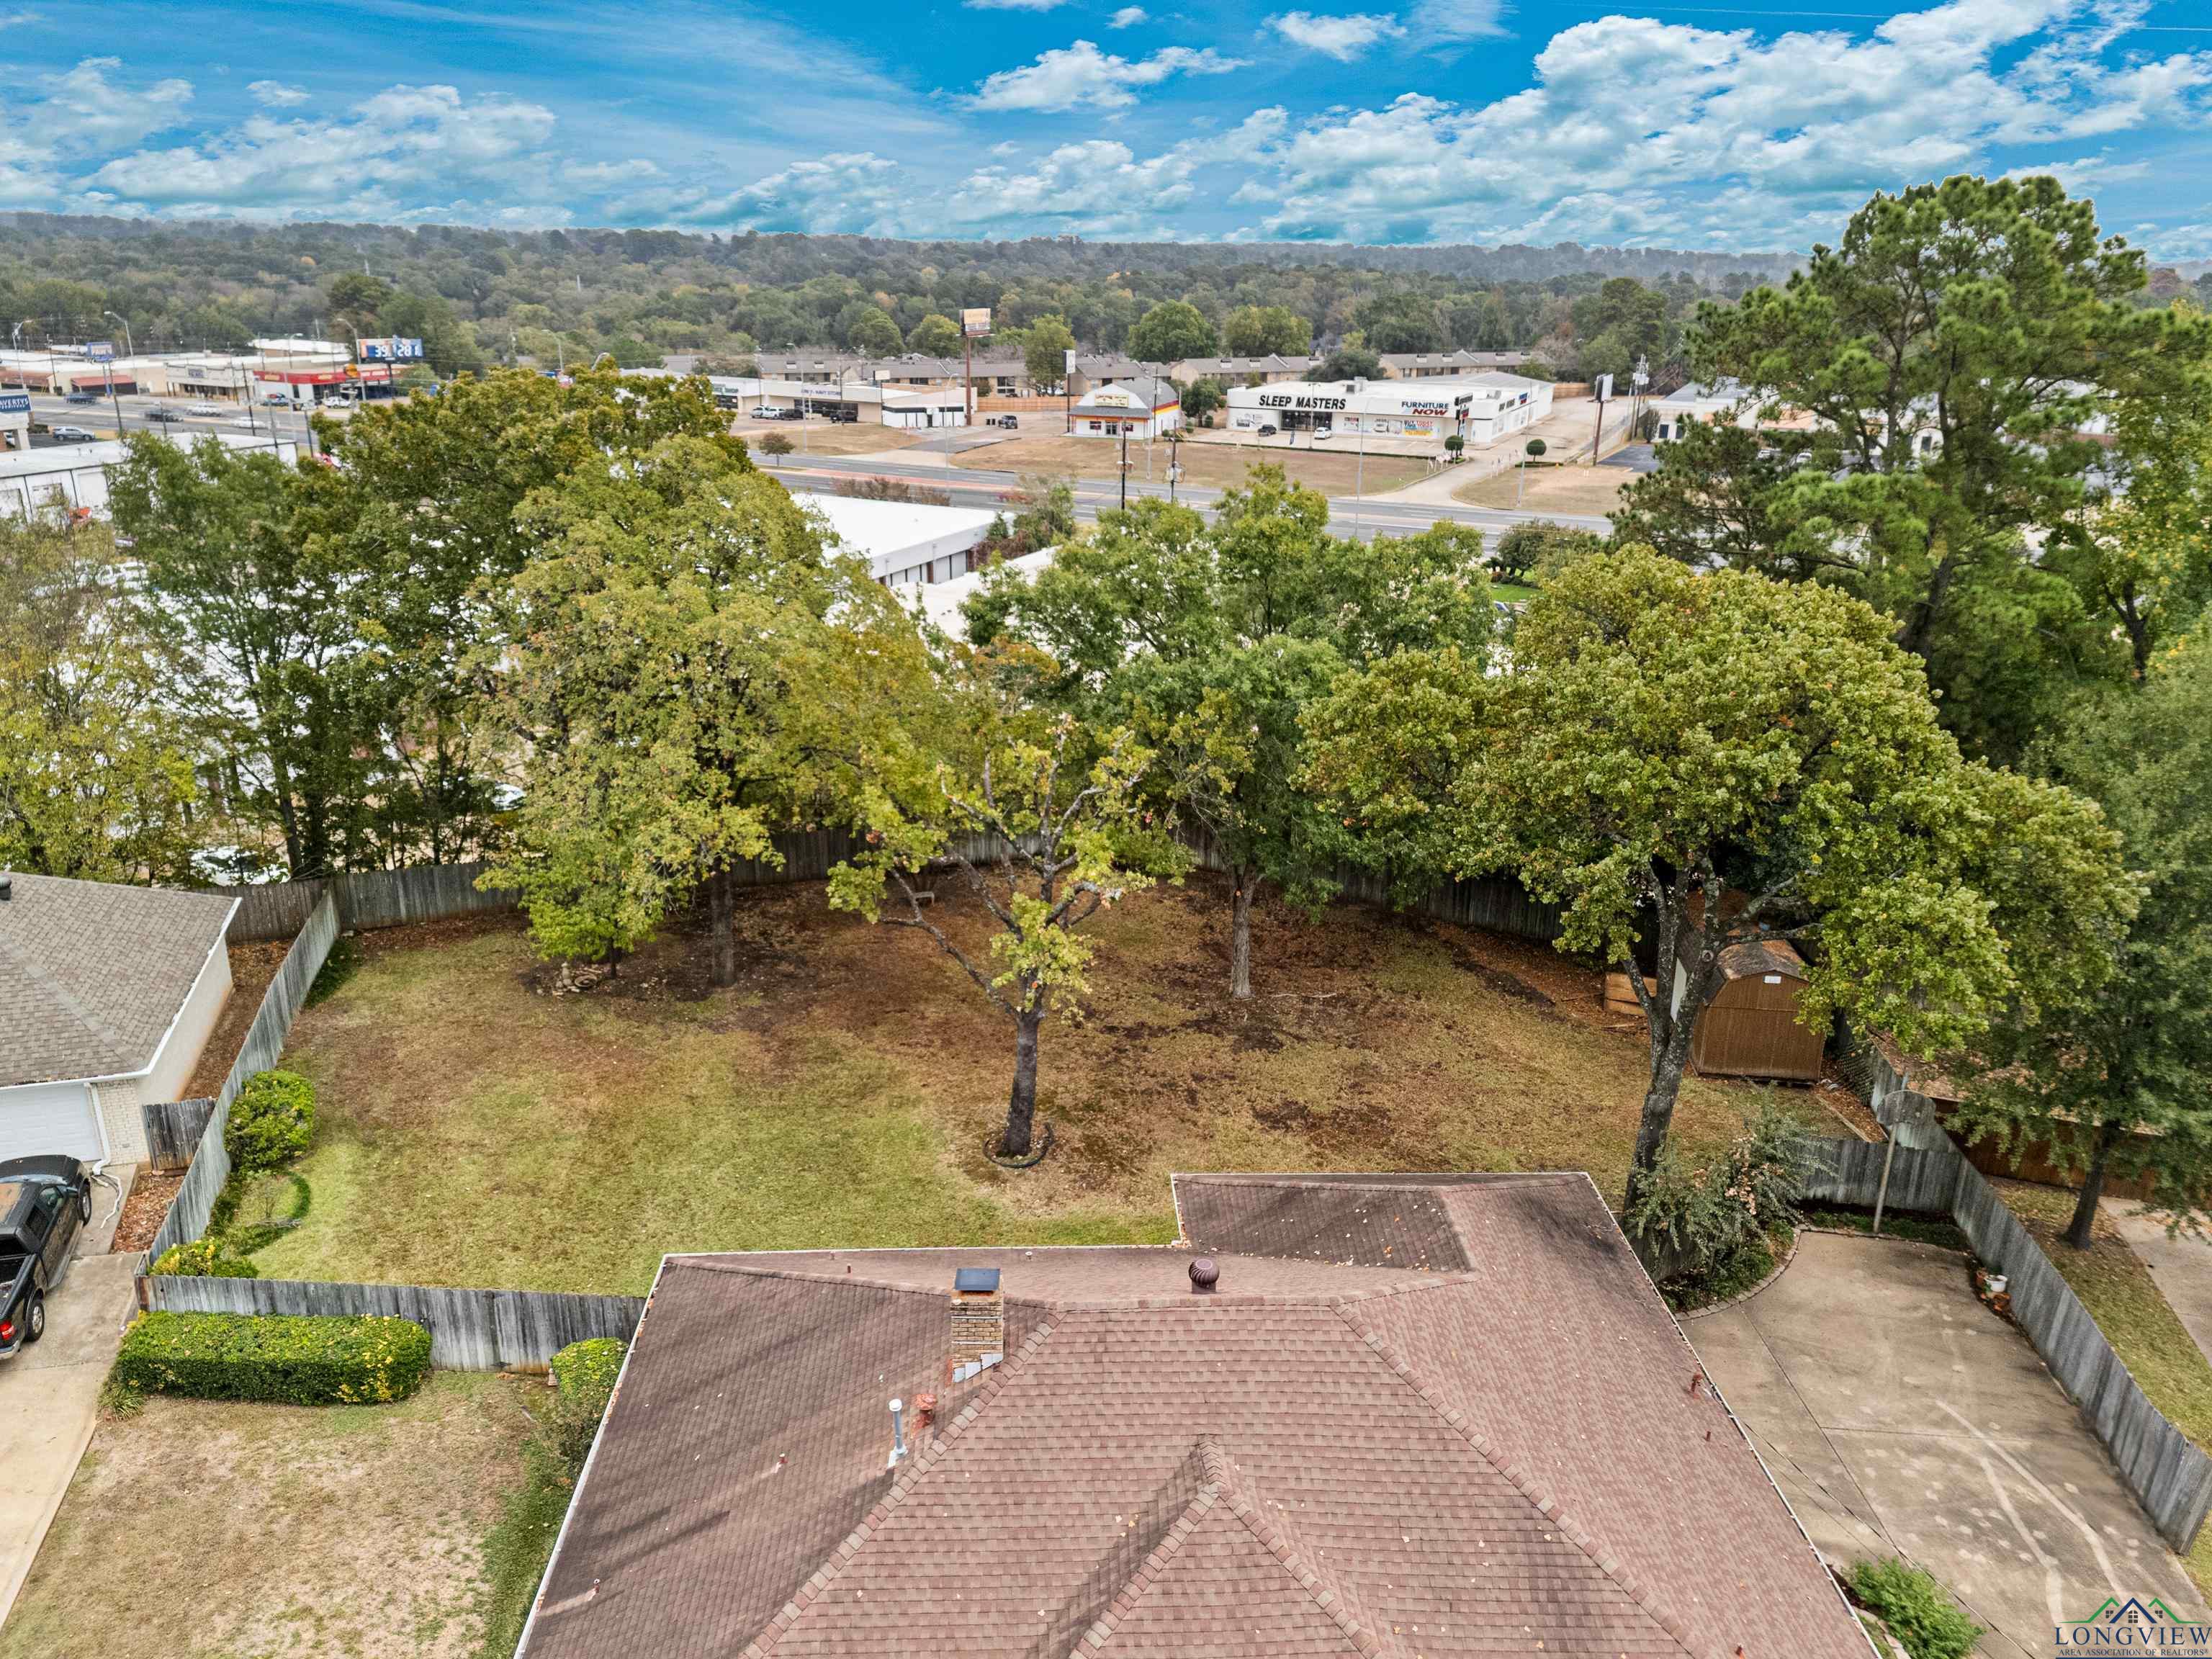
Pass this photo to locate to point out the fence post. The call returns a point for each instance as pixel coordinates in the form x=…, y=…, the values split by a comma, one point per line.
x=1881, y=1193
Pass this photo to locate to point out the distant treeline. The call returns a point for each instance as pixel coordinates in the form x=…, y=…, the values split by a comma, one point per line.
x=482, y=297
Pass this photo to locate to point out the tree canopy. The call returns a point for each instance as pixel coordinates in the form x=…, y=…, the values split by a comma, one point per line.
x=1741, y=760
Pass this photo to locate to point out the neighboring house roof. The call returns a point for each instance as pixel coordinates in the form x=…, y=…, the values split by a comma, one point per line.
x=1429, y=1416
x=1144, y=392
x=92, y=974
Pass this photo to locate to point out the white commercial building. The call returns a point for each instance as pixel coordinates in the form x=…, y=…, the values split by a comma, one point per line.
x=861, y=401
x=1478, y=408
x=938, y=604
x=73, y=476
x=904, y=542
x=1144, y=407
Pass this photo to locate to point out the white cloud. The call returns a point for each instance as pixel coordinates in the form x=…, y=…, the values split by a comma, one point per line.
x=85, y=112
x=595, y=174
x=2085, y=173
x=1647, y=131
x=392, y=150
x=1457, y=20
x=1341, y=38
x=1128, y=17
x=1082, y=77
x=276, y=93
x=1099, y=187
x=855, y=191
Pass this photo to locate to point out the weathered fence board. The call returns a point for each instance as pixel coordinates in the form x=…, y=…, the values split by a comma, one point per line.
x=2171, y=1477
x=173, y=1128
x=471, y=1330
x=390, y=898
x=264, y=1041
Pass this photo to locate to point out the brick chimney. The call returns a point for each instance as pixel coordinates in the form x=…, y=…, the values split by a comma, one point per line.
x=979, y=1323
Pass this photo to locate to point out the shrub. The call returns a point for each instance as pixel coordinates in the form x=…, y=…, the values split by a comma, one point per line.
x=298, y=1361
x=583, y=1375
x=774, y=443
x=1707, y=1216
x=270, y=1121
x=1915, y=1609
x=204, y=1258
x=1540, y=544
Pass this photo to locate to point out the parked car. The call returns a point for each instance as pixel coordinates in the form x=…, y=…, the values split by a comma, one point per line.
x=44, y=1205
x=163, y=415
x=275, y=400
x=81, y=398
x=1011, y=422
x=70, y=434
x=1266, y=432
x=775, y=413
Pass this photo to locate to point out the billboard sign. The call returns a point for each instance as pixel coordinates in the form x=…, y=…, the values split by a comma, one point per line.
x=394, y=351
x=101, y=351
x=15, y=402
x=976, y=321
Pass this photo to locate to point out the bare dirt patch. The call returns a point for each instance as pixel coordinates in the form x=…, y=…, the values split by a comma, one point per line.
x=206, y=1529
x=145, y=1209
x=1213, y=466
x=1578, y=489
x=253, y=963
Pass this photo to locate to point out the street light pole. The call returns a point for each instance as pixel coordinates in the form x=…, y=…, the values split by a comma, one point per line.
x=129, y=350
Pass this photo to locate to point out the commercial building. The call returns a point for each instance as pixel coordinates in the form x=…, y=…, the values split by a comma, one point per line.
x=73, y=476
x=862, y=401
x=1478, y=408
x=1396, y=1416
x=1141, y=408
x=905, y=543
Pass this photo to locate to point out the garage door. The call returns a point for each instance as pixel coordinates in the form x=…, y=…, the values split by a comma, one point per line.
x=48, y=1117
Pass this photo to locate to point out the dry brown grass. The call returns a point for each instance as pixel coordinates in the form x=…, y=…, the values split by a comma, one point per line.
x=213, y=1529
x=1593, y=490
x=1213, y=465
x=477, y=1130
x=828, y=437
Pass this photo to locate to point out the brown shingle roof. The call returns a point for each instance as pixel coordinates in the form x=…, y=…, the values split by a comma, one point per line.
x=92, y=974
x=1319, y=1459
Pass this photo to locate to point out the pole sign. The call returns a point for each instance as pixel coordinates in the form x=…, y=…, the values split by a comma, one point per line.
x=1069, y=366
x=101, y=351
x=15, y=402
x=1604, y=388
x=394, y=351
x=976, y=321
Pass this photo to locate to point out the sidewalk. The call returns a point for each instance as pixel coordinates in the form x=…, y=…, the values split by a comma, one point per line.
x=2182, y=1265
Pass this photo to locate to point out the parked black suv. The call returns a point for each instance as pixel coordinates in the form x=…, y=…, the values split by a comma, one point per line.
x=43, y=1203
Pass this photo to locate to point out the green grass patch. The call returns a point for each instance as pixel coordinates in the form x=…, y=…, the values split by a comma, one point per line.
x=474, y=1128
x=1918, y=1611
x=1940, y=1231
x=518, y=1546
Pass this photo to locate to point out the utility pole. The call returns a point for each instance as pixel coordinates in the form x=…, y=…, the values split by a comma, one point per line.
x=1125, y=465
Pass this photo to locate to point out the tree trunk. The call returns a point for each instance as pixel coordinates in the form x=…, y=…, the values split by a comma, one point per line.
x=1239, y=934
x=2092, y=1187
x=295, y=854
x=1669, y=1059
x=722, y=920
x=1021, y=1106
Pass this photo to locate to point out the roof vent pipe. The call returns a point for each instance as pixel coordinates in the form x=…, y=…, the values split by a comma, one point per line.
x=6, y=887
x=1205, y=1274
x=898, y=1433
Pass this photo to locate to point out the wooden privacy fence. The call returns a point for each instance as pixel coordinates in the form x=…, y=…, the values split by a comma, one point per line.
x=173, y=1128
x=427, y=893
x=2169, y=1476
x=471, y=1330
x=264, y=1041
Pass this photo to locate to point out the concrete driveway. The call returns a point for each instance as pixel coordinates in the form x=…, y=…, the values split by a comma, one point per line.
x=1900, y=1416
x=50, y=1393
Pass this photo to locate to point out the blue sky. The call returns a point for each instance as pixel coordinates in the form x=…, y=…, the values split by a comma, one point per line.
x=1748, y=127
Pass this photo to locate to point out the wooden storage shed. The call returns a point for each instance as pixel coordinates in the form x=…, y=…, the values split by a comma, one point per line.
x=1750, y=1028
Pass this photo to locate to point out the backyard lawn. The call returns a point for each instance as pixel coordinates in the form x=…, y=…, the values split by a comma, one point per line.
x=476, y=1128
x=222, y=1530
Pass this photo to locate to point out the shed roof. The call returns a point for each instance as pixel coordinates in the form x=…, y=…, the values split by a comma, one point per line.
x=1358, y=1445
x=93, y=972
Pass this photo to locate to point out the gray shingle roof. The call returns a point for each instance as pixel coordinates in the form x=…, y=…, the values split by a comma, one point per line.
x=1326, y=1457
x=93, y=972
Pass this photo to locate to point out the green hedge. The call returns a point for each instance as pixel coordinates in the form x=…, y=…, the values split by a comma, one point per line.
x=300, y=1361
x=583, y=1375
x=205, y=1258
x=270, y=1121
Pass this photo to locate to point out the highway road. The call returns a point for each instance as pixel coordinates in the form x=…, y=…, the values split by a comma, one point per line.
x=1363, y=517
x=100, y=418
